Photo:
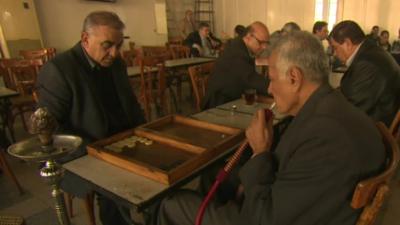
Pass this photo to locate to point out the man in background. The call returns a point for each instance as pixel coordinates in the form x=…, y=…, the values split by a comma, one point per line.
x=202, y=42
x=320, y=30
x=87, y=90
x=235, y=70
x=372, y=80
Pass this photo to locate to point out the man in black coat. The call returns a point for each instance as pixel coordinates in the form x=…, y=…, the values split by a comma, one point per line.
x=372, y=80
x=308, y=179
x=202, y=42
x=235, y=70
x=87, y=90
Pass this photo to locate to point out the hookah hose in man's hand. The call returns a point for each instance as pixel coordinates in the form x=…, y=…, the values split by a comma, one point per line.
x=223, y=173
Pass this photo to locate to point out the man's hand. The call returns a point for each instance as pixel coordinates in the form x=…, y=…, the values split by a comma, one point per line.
x=260, y=134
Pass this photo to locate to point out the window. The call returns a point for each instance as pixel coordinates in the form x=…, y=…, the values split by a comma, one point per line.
x=326, y=10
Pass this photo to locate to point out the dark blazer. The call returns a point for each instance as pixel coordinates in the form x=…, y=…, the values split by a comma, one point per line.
x=194, y=38
x=309, y=179
x=372, y=83
x=234, y=72
x=64, y=87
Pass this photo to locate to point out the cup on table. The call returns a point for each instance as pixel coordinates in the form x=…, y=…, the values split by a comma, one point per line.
x=250, y=96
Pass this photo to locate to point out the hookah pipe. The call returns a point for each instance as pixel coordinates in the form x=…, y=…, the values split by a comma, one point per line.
x=224, y=172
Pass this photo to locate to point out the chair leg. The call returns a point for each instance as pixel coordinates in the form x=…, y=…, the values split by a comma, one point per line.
x=7, y=170
x=68, y=202
x=89, y=205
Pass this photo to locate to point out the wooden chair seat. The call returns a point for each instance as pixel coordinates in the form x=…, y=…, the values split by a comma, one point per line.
x=370, y=193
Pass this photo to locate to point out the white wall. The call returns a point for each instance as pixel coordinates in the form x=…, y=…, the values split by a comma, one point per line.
x=275, y=13
x=61, y=20
x=367, y=13
x=18, y=22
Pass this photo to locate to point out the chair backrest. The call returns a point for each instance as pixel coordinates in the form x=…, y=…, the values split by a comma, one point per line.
x=156, y=51
x=370, y=193
x=44, y=54
x=21, y=74
x=175, y=40
x=179, y=51
x=199, y=75
x=395, y=127
x=152, y=83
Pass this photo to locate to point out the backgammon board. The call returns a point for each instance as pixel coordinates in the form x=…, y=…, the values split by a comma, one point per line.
x=167, y=149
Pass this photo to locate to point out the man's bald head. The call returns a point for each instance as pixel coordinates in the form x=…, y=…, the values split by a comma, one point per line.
x=257, y=37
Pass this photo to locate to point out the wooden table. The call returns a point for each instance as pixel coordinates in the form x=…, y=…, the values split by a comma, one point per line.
x=185, y=62
x=134, y=71
x=139, y=192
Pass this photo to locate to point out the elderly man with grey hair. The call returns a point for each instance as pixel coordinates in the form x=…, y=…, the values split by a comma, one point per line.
x=309, y=177
x=87, y=90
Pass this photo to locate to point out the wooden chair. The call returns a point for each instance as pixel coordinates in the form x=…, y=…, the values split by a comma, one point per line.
x=370, y=193
x=44, y=54
x=175, y=40
x=156, y=51
x=179, y=51
x=88, y=203
x=8, y=171
x=153, y=85
x=199, y=77
x=395, y=127
x=21, y=76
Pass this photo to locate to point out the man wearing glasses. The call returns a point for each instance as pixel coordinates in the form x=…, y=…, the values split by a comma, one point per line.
x=235, y=70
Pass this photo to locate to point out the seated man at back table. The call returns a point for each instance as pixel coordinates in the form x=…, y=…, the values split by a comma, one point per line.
x=311, y=174
x=87, y=90
x=235, y=69
x=202, y=42
x=372, y=80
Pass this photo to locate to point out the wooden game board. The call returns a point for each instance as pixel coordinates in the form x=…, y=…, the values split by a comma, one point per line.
x=167, y=149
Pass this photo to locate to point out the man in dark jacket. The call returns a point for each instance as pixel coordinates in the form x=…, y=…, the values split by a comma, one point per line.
x=202, y=42
x=235, y=70
x=87, y=90
x=372, y=80
x=308, y=178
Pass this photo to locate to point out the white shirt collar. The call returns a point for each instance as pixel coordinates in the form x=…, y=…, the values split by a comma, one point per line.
x=351, y=58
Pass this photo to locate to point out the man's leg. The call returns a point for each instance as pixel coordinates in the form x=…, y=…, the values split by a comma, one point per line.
x=182, y=207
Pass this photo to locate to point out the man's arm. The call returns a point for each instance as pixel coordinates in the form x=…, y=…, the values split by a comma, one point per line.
x=249, y=76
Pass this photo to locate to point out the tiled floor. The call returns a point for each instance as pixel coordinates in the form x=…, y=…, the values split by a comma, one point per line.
x=36, y=204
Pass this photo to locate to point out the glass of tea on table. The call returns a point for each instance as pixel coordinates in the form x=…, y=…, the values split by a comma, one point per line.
x=250, y=96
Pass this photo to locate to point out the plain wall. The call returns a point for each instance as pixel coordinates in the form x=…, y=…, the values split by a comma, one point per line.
x=61, y=21
x=275, y=13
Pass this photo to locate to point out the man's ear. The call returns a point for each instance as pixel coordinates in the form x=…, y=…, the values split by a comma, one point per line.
x=84, y=38
x=295, y=76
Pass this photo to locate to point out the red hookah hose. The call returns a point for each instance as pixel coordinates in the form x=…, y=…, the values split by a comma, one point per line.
x=223, y=173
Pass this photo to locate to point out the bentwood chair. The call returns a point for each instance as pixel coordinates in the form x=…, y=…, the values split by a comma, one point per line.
x=45, y=54
x=153, y=86
x=8, y=171
x=370, y=193
x=21, y=76
x=199, y=77
x=395, y=127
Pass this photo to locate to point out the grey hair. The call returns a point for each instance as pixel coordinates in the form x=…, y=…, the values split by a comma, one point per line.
x=305, y=51
x=104, y=18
